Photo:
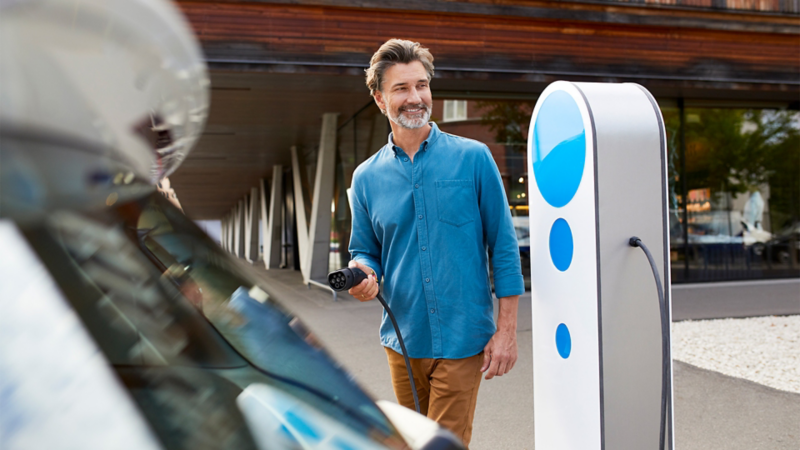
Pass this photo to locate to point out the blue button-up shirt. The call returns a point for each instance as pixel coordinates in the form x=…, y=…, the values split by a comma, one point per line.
x=426, y=227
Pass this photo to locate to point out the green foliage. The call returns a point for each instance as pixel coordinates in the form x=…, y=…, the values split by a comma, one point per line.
x=508, y=120
x=733, y=151
x=784, y=182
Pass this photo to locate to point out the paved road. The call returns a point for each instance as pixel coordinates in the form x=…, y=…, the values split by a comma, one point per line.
x=712, y=411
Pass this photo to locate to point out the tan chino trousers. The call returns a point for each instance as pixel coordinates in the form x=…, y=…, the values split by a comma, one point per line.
x=447, y=389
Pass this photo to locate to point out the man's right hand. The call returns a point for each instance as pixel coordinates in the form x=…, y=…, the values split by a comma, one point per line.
x=368, y=288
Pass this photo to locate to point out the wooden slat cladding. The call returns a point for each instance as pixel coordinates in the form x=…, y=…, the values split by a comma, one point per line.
x=286, y=34
x=788, y=6
x=723, y=14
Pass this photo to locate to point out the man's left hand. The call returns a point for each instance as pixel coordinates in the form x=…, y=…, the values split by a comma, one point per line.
x=500, y=354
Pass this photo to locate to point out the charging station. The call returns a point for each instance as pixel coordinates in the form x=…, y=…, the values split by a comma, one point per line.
x=597, y=166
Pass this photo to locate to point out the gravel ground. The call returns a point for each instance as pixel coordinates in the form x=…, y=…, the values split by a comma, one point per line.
x=765, y=350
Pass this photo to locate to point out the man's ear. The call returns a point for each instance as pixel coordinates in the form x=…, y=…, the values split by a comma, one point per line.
x=379, y=101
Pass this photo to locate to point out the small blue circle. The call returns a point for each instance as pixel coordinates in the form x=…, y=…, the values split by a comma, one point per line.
x=563, y=341
x=558, y=148
x=561, y=244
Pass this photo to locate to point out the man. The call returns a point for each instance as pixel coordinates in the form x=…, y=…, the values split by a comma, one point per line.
x=426, y=208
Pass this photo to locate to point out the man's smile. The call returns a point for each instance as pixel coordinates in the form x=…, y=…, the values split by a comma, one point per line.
x=416, y=109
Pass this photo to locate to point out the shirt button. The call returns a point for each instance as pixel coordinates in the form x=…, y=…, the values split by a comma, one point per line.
x=433, y=311
x=420, y=216
x=427, y=280
x=405, y=159
x=416, y=186
x=424, y=248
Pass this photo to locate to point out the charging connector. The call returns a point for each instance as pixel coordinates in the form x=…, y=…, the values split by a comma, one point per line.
x=343, y=279
x=665, y=350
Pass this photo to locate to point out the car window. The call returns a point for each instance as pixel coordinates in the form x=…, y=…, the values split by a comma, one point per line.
x=237, y=302
x=187, y=327
x=162, y=348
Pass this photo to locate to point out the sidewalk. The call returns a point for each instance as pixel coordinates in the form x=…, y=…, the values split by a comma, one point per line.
x=735, y=299
x=712, y=411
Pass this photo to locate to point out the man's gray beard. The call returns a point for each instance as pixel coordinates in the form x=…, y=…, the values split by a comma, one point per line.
x=412, y=124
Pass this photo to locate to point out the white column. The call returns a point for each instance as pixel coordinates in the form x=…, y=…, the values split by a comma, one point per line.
x=264, y=215
x=319, y=232
x=235, y=234
x=231, y=229
x=223, y=230
x=240, y=227
x=300, y=211
x=272, y=223
x=251, y=226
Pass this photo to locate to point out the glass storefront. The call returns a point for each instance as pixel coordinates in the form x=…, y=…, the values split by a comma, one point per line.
x=734, y=182
x=735, y=192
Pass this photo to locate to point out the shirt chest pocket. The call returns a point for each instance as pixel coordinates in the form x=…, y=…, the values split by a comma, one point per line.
x=456, y=201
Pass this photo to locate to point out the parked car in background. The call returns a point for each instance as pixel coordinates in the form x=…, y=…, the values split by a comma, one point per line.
x=784, y=247
x=523, y=231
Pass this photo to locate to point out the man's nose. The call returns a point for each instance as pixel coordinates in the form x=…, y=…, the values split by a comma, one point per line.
x=414, y=96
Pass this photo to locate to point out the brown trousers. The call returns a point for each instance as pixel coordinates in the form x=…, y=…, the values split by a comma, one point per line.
x=447, y=389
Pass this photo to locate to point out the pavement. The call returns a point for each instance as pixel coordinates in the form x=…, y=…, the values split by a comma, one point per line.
x=712, y=411
x=735, y=299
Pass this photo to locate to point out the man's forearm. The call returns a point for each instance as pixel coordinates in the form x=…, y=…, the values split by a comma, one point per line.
x=507, y=314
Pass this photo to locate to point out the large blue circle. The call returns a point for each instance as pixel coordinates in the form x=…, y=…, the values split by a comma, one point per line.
x=563, y=341
x=561, y=245
x=558, y=148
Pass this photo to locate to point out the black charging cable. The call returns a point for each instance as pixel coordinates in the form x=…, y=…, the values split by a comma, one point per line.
x=341, y=280
x=665, y=351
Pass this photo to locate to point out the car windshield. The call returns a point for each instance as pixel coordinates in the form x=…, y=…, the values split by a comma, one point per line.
x=188, y=328
x=236, y=301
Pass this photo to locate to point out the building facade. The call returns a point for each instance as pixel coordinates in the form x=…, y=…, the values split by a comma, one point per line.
x=726, y=75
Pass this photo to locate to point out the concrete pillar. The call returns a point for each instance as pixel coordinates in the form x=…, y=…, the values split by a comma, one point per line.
x=240, y=227
x=265, y=214
x=251, y=226
x=231, y=228
x=319, y=232
x=300, y=211
x=226, y=244
x=223, y=229
x=314, y=233
x=271, y=222
x=235, y=237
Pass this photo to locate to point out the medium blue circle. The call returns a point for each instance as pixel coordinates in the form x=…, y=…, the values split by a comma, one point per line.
x=561, y=245
x=563, y=341
x=558, y=148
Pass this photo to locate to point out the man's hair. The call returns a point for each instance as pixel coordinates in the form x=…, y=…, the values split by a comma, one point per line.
x=396, y=51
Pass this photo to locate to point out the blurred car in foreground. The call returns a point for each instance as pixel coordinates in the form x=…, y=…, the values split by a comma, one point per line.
x=208, y=356
x=123, y=325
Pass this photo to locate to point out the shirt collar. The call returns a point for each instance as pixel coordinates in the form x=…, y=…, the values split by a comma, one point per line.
x=432, y=137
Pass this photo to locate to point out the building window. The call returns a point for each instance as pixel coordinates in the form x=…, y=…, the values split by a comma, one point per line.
x=455, y=110
x=734, y=194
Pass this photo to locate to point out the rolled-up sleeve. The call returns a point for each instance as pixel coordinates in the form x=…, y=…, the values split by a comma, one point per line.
x=364, y=245
x=498, y=229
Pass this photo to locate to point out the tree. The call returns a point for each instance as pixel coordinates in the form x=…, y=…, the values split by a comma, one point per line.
x=509, y=120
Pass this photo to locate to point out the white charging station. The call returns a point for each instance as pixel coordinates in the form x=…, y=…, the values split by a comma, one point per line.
x=597, y=169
